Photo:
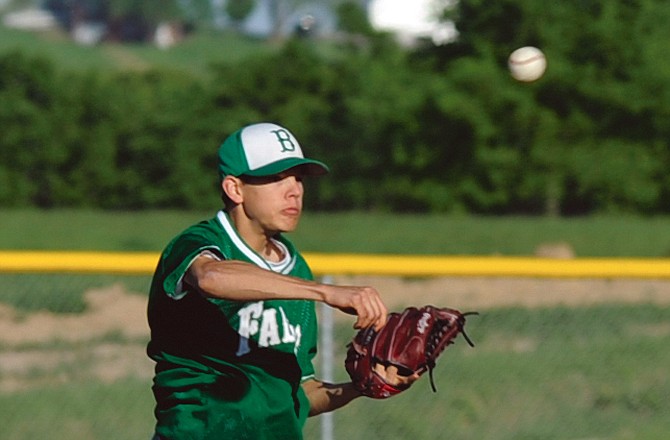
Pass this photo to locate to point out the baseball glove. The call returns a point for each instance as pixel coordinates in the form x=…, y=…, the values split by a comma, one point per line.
x=411, y=340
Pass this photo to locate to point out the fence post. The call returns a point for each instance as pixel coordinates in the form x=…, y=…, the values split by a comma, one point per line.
x=327, y=355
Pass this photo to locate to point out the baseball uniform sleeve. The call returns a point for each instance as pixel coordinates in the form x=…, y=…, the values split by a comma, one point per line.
x=179, y=256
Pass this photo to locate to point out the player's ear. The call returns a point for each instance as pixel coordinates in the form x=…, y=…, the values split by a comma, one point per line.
x=231, y=187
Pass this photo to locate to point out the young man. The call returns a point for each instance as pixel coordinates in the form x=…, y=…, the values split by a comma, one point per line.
x=231, y=309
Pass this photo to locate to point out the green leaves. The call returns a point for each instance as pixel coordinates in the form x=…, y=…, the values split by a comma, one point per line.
x=436, y=128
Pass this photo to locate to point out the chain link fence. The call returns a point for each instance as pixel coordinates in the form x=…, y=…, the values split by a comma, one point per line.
x=572, y=359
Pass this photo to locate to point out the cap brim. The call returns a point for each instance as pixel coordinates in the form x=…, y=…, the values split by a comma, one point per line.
x=307, y=167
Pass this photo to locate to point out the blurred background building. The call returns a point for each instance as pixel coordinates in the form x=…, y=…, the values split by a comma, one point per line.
x=165, y=23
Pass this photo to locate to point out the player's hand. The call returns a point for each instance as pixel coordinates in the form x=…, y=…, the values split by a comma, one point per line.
x=364, y=302
x=391, y=376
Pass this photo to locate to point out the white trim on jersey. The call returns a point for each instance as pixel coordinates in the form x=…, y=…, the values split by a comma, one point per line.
x=239, y=242
x=285, y=266
x=179, y=291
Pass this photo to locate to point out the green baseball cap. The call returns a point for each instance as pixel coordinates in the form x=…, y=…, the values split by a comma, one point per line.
x=264, y=149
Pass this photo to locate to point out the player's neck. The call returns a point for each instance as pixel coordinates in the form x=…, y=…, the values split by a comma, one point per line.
x=267, y=248
x=273, y=252
x=256, y=238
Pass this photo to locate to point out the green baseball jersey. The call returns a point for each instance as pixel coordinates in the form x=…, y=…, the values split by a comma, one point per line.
x=228, y=369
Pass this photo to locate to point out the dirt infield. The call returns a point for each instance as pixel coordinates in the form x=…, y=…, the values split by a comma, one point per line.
x=114, y=310
x=108, y=310
x=35, y=346
x=486, y=293
x=106, y=343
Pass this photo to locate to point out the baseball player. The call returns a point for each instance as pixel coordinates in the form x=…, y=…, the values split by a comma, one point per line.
x=231, y=307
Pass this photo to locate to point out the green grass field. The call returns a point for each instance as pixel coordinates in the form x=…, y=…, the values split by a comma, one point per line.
x=593, y=372
x=598, y=372
x=612, y=236
x=546, y=374
x=193, y=55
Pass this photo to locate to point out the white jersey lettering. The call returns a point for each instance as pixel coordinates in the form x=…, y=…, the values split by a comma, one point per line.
x=249, y=316
x=256, y=320
x=269, y=329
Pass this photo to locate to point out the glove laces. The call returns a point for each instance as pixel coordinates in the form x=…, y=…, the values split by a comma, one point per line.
x=436, y=337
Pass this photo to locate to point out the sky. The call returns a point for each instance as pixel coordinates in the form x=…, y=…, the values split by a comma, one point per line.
x=411, y=17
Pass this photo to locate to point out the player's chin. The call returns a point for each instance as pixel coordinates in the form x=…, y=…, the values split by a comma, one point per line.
x=289, y=223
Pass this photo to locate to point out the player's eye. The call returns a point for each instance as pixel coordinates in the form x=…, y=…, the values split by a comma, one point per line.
x=260, y=180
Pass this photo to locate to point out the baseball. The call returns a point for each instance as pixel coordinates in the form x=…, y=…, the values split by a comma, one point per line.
x=527, y=64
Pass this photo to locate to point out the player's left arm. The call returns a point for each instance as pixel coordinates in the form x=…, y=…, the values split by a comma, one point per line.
x=325, y=397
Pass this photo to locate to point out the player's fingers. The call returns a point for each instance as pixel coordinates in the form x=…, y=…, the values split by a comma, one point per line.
x=363, y=310
x=391, y=375
x=380, y=313
x=370, y=309
x=364, y=302
x=383, y=317
x=378, y=310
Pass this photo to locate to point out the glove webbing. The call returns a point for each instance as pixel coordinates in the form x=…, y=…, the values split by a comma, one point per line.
x=436, y=337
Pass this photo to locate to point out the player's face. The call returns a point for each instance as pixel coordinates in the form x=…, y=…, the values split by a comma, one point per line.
x=274, y=203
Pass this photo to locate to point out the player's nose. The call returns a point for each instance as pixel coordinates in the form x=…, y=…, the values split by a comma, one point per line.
x=295, y=187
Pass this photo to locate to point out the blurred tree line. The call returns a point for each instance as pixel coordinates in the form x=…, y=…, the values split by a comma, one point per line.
x=437, y=128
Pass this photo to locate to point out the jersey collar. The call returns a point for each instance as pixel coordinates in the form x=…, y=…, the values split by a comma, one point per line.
x=283, y=267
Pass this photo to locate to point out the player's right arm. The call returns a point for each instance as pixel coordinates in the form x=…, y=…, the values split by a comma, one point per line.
x=240, y=281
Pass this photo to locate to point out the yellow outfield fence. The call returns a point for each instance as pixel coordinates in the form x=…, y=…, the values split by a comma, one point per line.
x=74, y=335
x=143, y=263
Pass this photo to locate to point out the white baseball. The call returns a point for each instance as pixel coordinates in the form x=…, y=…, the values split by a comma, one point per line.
x=527, y=64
